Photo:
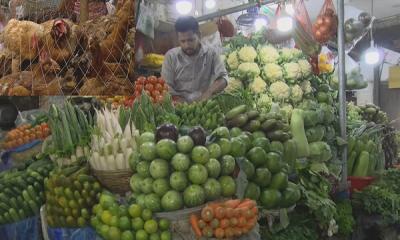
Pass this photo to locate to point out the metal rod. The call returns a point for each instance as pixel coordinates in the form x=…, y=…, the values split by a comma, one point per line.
x=235, y=9
x=342, y=90
x=377, y=83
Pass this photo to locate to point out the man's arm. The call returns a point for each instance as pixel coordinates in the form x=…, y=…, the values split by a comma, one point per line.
x=221, y=78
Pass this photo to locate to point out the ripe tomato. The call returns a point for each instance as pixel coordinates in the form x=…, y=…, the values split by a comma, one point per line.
x=155, y=93
x=161, y=81
x=141, y=80
x=158, y=87
x=152, y=79
x=149, y=87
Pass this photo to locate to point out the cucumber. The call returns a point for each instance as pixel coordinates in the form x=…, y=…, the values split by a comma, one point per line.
x=7, y=217
x=32, y=192
x=4, y=199
x=2, y=220
x=252, y=114
x=239, y=121
x=22, y=214
x=9, y=192
x=86, y=178
x=3, y=207
x=14, y=215
x=13, y=202
x=34, y=207
x=235, y=112
x=269, y=124
x=35, y=175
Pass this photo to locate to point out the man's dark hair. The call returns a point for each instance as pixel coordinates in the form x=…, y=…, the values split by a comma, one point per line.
x=185, y=24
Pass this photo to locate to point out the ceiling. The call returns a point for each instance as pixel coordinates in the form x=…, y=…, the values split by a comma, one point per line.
x=382, y=8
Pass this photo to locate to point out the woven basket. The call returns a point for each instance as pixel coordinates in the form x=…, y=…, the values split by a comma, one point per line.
x=116, y=181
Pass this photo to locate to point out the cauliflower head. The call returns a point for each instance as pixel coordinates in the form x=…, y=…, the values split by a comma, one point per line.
x=248, y=70
x=247, y=54
x=286, y=111
x=258, y=85
x=264, y=102
x=306, y=87
x=292, y=72
x=272, y=72
x=305, y=67
x=233, y=84
x=279, y=90
x=232, y=60
x=268, y=54
x=296, y=94
x=290, y=54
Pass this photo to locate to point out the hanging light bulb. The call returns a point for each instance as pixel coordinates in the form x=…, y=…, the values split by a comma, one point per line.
x=210, y=4
x=259, y=23
x=372, y=55
x=284, y=23
x=184, y=7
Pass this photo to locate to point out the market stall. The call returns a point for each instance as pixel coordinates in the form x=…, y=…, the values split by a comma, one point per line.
x=279, y=154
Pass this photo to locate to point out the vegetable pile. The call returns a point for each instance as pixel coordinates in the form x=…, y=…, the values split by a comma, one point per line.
x=173, y=173
x=155, y=87
x=21, y=190
x=24, y=134
x=112, y=220
x=70, y=195
x=232, y=218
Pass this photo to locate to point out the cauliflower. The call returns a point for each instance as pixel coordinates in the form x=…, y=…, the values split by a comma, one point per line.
x=248, y=70
x=286, y=111
x=258, y=85
x=247, y=54
x=279, y=90
x=292, y=72
x=233, y=84
x=232, y=60
x=264, y=102
x=290, y=54
x=272, y=72
x=305, y=67
x=306, y=87
x=268, y=54
x=296, y=94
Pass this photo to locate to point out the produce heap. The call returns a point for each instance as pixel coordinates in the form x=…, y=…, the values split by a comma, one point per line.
x=26, y=133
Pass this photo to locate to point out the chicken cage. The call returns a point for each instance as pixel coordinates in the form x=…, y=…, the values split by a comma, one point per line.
x=58, y=56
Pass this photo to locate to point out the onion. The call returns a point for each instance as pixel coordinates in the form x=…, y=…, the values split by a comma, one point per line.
x=324, y=30
x=327, y=21
x=329, y=12
x=320, y=21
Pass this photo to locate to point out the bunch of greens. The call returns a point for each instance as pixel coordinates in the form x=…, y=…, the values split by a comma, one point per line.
x=344, y=217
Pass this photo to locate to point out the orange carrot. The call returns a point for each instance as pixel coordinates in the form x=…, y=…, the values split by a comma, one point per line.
x=194, y=222
x=229, y=212
x=219, y=212
x=224, y=223
x=234, y=222
x=233, y=203
x=255, y=210
x=208, y=232
x=229, y=232
x=247, y=204
x=213, y=205
x=207, y=214
x=237, y=232
x=201, y=223
x=242, y=221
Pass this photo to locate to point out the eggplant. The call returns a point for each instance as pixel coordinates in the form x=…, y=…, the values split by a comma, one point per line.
x=199, y=135
x=168, y=131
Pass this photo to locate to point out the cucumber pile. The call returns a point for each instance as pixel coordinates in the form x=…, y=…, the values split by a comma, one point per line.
x=250, y=120
x=70, y=195
x=208, y=114
x=21, y=191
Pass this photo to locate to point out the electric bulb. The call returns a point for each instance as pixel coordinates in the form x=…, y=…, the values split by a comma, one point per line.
x=284, y=24
x=184, y=7
x=372, y=56
x=290, y=9
x=259, y=23
x=210, y=4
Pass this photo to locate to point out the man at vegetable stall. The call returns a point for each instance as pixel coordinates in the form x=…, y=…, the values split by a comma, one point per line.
x=193, y=71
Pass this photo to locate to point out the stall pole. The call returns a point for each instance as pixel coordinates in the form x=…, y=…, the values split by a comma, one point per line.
x=83, y=11
x=342, y=91
x=376, y=85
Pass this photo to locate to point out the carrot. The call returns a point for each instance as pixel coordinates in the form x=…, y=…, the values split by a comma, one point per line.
x=201, y=223
x=242, y=221
x=214, y=223
x=248, y=213
x=234, y=222
x=208, y=232
x=194, y=222
x=219, y=212
x=207, y=214
x=229, y=212
x=229, y=232
x=224, y=223
x=213, y=205
x=233, y=203
x=237, y=232
x=247, y=204
x=255, y=210
x=219, y=233
x=237, y=212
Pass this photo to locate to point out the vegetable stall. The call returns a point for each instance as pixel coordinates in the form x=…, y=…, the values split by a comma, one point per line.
x=262, y=160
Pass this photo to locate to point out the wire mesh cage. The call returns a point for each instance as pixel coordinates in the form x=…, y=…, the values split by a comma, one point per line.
x=58, y=56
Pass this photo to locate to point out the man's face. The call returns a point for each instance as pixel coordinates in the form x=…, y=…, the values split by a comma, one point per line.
x=189, y=42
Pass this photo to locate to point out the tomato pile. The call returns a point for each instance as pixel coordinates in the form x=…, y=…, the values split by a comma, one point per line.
x=232, y=218
x=155, y=87
x=24, y=134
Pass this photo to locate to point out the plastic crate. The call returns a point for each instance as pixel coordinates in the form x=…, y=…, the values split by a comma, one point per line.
x=359, y=183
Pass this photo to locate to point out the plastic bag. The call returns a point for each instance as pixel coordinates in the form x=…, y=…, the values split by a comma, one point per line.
x=327, y=23
x=86, y=233
x=25, y=229
x=146, y=21
x=19, y=155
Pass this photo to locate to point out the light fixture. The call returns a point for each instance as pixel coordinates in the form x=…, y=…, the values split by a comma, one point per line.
x=372, y=55
x=289, y=9
x=284, y=23
x=259, y=23
x=184, y=7
x=210, y=4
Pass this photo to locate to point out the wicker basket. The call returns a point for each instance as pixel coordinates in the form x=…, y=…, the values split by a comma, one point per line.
x=116, y=181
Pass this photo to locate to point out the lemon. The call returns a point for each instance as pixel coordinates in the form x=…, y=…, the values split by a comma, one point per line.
x=166, y=235
x=104, y=231
x=147, y=214
x=106, y=217
x=114, y=234
x=137, y=224
x=155, y=236
x=127, y=235
x=142, y=235
x=114, y=221
x=164, y=224
x=135, y=210
x=151, y=226
x=124, y=223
